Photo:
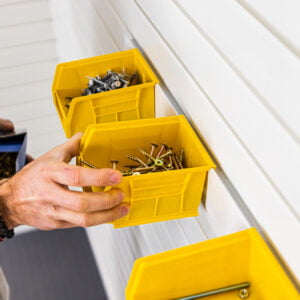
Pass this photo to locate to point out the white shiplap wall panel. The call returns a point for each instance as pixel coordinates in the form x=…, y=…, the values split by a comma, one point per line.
x=212, y=92
x=280, y=18
x=63, y=25
x=27, y=54
x=111, y=267
x=156, y=232
x=266, y=64
x=191, y=229
x=11, y=2
x=42, y=143
x=25, y=92
x=175, y=232
x=28, y=110
x=113, y=24
x=221, y=209
x=18, y=75
x=20, y=13
x=276, y=152
x=141, y=241
x=25, y=34
x=84, y=38
x=46, y=124
x=27, y=62
x=94, y=42
x=133, y=244
x=153, y=241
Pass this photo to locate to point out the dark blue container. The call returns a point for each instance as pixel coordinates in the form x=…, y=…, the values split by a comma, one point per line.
x=15, y=142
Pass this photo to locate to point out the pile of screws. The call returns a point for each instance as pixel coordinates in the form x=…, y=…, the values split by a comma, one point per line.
x=158, y=159
x=110, y=81
x=7, y=164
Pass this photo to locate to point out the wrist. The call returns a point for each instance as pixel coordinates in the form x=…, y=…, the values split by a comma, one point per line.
x=6, y=213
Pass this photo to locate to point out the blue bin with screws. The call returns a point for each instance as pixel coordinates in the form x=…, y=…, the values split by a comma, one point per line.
x=12, y=152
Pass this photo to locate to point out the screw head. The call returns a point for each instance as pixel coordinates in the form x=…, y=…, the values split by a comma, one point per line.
x=136, y=173
x=118, y=83
x=91, y=82
x=243, y=294
x=166, y=147
x=159, y=162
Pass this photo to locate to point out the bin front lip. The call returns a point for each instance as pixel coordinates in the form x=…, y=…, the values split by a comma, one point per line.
x=101, y=58
x=110, y=93
x=142, y=177
x=120, y=223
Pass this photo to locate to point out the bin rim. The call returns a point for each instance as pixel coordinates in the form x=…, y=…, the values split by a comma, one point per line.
x=94, y=59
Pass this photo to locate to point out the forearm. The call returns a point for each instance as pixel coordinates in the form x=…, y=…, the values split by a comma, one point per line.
x=2, y=197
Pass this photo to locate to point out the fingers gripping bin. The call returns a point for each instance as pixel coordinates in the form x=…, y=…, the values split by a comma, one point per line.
x=128, y=103
x=155, y=196
x=225, y=261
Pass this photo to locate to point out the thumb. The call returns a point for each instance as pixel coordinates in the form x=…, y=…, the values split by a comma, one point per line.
x=71, y=147
x=68, y=150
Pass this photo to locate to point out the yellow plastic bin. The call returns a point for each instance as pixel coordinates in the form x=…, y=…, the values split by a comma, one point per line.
x=133, y=102
x=153, y=197
x=216, y=263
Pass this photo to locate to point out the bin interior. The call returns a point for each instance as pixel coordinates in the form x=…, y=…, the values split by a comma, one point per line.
x=72, y=77
x=116, y=141
x=221, y=262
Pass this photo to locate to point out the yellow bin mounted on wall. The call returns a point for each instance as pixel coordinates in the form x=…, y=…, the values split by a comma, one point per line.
x=207, y=267
x=158, y=196
x=76, y=112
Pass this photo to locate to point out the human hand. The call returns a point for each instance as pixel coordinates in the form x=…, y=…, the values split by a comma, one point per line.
x=37, y=195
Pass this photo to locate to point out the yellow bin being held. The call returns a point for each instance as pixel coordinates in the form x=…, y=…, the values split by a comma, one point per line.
x=158, y=196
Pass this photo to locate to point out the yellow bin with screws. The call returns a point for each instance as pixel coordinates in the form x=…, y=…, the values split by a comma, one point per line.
x=157, y=196
x=127, y=103
x=242, y=257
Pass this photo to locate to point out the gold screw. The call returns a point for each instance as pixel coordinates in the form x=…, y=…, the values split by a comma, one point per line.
x=153, y=147
x=136, y=159
x=166, y=154
x=88, y=164
x=180, y=157
x=163, y=147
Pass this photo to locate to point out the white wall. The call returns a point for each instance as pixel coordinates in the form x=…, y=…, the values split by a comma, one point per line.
x=233, y=68
x=27, y=62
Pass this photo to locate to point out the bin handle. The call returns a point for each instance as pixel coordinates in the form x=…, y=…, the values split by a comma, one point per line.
x=243, y=293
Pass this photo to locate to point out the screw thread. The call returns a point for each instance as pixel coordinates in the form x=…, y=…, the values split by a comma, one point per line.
x=136, y=159
x=88, y=164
